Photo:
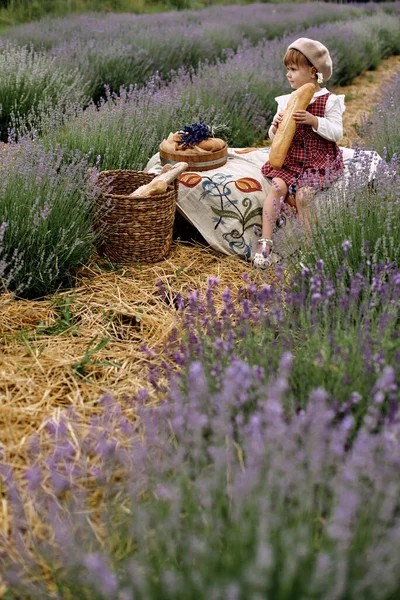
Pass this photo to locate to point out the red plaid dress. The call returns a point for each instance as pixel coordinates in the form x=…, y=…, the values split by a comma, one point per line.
x=312, y=161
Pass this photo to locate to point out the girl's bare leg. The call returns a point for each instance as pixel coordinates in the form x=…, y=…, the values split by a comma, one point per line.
x=303, y=197
x=271, y=208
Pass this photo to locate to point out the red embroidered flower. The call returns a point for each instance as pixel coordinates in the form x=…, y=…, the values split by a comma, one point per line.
x=190, y=180
x=248, y=185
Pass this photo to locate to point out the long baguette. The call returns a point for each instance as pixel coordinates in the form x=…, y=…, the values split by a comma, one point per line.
x=160, y=183
x=299, y=100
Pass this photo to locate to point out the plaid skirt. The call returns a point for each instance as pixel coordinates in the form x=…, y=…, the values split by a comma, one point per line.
x=312, y=161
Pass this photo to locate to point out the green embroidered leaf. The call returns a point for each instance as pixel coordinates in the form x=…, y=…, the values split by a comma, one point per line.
x=226, y=214
x=251, y=214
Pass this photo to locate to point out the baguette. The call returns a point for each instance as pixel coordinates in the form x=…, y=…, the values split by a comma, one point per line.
x=299, y=100
x=160, y=183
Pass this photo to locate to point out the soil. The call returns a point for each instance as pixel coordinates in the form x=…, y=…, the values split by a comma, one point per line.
x=362, y=95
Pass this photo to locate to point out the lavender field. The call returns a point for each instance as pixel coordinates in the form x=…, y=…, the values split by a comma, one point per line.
x=118, y=50
x=260, y=456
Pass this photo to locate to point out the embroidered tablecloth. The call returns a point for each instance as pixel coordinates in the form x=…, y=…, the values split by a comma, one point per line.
x=225, y=204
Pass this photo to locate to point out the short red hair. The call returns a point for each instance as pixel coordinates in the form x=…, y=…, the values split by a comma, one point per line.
x=296, y=58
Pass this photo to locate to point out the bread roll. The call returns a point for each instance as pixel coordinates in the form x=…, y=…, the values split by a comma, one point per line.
x=212, y=144
x=299, y=100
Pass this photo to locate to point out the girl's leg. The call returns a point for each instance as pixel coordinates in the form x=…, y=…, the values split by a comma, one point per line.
x=303, y=197
x=272, y=204
x=271, y=208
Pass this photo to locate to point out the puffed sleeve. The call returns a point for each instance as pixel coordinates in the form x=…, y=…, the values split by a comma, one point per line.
x=282, y=103
x=330, y=127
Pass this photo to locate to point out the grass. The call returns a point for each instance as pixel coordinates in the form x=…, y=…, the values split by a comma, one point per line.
x=23, y=11
x=349, y=97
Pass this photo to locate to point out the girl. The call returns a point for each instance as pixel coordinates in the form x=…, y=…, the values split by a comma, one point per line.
x=314, y=159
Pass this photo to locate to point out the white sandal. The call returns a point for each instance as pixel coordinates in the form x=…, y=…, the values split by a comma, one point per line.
x=262, y=260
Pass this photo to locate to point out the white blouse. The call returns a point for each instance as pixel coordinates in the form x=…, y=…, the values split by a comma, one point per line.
x=330, y=126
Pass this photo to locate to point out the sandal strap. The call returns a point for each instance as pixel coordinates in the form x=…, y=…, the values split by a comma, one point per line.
x=266, y=241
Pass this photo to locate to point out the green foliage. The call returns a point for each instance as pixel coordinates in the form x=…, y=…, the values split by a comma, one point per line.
x=80, y=368
x=65, y=321
x=22, y=11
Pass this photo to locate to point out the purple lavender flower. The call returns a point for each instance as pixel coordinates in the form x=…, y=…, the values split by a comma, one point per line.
x=346, y=246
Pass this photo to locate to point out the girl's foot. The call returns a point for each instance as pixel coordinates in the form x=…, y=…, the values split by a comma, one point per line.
x=262, y=259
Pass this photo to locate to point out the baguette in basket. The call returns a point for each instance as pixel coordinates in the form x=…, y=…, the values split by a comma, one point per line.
x=299, y=100
x=160, y=183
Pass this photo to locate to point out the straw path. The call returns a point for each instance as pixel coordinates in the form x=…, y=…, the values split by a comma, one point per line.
x=361, y=95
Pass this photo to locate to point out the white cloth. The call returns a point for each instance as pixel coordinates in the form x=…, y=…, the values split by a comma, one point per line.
x=329, y=127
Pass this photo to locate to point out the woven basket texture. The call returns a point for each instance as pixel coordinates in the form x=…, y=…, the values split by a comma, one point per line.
x=134, y=230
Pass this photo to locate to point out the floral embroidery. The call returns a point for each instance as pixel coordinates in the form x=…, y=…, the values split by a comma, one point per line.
x=190, y=180
x=248, y=185
x=236, y=214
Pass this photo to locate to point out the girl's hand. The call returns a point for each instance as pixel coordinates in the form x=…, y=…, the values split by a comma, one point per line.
x=305, y=118
x=276, y=121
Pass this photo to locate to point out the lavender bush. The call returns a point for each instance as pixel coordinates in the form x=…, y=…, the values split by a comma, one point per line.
x=372, y=38
x=32, y=84
x=45, y=216
x=354, y=224
x=203, y=499
x=126, y=129
x=108, y=65
x=342, y=332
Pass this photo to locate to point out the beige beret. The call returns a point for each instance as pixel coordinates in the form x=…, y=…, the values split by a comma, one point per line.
x=317, y=54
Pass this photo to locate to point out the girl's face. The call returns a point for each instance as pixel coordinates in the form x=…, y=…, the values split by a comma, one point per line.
x=299, y=75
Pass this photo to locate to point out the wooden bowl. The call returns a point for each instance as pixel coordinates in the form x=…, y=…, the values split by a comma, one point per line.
x=203, y=161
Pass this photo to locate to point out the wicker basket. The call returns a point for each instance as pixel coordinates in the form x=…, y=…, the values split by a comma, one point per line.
x=196, y=162
x=134, y=229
